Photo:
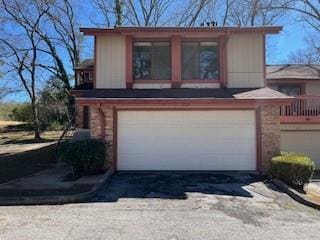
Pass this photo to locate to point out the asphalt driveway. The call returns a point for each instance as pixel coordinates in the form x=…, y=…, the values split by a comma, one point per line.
x=175, y=185
x=169, y=206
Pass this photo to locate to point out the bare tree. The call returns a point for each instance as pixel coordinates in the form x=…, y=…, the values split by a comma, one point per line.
x=118, y=12
x=226, y=11
x=308, y=55
x=191, y=13
x=62, y=18
x=304, y=56
x=253, y=13
x=45, y=33
x=145, y=12
x=58, y=31
x=133, y=12
x=23, y=59
x=5, y=89
x=106, y=10
x=306, y=12
x=231, y=12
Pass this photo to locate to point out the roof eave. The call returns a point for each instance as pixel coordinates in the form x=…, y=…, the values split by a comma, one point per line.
x=181, y=30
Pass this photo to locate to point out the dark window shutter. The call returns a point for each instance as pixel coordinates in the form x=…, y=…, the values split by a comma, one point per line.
x=86, y=124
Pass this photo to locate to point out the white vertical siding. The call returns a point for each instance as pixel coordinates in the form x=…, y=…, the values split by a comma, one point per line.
x=111, y=62
x=245, y=60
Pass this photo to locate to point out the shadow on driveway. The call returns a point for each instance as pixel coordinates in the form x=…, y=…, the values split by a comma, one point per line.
x=174, y=185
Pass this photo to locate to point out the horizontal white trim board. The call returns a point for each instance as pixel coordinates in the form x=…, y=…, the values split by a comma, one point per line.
x=186, y=140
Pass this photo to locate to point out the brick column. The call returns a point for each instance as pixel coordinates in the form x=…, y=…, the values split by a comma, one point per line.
x=103, y=115
x=109, y=132
x=270, y=135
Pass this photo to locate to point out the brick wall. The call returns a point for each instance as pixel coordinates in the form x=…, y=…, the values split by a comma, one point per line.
x=99, y=116
x=270, y=135
x=109, y=131
x=95, y=122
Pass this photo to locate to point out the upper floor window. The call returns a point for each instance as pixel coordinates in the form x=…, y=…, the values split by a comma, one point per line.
x=88, y=76
x=200, y=60
x=152, y=61
x=290, y=90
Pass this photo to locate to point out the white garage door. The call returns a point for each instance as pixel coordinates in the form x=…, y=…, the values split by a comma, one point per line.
x=186, y=140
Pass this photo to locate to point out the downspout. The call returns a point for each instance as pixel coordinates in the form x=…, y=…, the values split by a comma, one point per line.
x=102, y=123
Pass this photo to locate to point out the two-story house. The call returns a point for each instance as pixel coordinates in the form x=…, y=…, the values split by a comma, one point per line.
x=181, y=98
x=300, y=120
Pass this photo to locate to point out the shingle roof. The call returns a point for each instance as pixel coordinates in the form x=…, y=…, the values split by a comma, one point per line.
x=86, y=64
x=182, y=93
x=261, y=93
x=161, y=93
x=293, y=71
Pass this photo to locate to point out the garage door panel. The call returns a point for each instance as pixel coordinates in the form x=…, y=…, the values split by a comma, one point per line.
x=195, y=132
x=178, y=162
x=219, y=146
x=216, y=117
x=186, y=140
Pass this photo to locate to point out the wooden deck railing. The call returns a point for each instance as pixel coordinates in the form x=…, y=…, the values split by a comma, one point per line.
x=302, y=109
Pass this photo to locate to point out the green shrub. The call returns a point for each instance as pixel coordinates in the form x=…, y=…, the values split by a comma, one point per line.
x=292, y=168
x=22, y=113
x=85, y=157
x=55, y=126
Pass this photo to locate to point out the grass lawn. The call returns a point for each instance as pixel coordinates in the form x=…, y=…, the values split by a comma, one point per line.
x=25, y=157
x=5, y=123
x=17, y=132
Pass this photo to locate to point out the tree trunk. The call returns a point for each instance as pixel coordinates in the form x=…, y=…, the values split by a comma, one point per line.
x=36, y=121
x=118, y=12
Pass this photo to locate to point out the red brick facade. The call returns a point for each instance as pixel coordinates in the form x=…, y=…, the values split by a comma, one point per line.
x=102, y=126
x=270, y=135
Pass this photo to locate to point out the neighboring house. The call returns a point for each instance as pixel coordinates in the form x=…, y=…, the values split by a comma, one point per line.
x=85, y=72
x=181, y=98
x=300, y=121
x=294, y=79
